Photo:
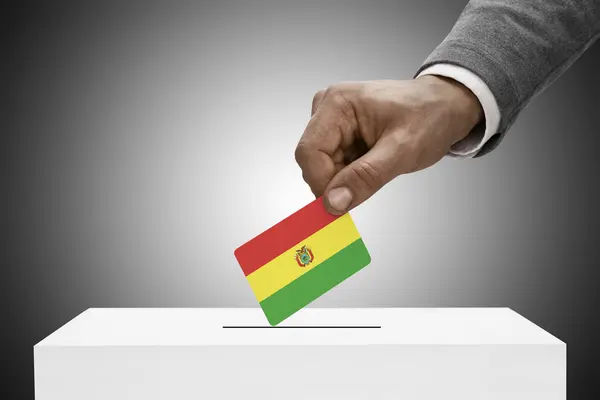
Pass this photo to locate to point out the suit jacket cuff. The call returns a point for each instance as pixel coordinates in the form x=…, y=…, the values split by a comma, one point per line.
x=472, y=144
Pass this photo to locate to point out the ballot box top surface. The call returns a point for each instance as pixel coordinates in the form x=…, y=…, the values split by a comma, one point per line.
x=308, y=327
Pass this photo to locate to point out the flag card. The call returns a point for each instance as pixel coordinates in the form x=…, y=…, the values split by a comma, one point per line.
x=301, y=258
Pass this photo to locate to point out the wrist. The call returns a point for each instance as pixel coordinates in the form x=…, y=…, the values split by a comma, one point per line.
x=458, y=99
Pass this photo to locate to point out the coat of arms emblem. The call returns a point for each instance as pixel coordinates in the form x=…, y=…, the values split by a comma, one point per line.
x=304, y=256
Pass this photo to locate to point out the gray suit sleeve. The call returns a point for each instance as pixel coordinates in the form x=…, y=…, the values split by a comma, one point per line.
x=518, y=48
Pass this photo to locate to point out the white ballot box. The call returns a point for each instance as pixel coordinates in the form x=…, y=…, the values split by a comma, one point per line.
x=371, y=353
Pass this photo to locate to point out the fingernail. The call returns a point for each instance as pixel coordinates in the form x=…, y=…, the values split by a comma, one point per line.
x=339, y=198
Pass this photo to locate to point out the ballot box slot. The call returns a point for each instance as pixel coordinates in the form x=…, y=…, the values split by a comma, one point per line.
x=302, y=327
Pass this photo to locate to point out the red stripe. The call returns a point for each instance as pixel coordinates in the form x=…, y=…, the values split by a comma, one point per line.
x=279, y=238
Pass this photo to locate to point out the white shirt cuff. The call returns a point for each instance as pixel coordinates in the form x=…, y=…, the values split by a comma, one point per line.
x=470, y=146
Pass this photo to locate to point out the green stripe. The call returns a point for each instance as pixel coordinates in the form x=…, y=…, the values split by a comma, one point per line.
x=308, y=287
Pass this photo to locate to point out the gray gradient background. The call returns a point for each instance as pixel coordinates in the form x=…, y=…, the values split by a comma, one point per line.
x=143, y=142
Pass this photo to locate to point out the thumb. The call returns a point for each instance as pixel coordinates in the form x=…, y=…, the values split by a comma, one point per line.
x=359, y=180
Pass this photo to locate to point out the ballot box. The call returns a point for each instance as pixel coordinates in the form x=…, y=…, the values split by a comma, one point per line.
x=371, y=353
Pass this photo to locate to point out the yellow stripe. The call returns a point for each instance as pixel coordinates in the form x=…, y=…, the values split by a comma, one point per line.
x=284, y=269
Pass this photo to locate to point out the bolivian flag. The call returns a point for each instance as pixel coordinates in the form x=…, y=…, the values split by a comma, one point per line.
x=301, y=258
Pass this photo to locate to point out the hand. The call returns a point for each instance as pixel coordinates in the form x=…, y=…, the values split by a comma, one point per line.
x=362, y=135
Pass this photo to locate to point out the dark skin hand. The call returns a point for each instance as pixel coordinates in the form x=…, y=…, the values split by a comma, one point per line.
x=362, y=135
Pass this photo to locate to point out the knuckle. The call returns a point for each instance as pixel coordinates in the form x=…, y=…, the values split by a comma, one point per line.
x=342, y=104
x=317, y=100
x=299, y=153
x=340, y=95
x=336, y=92
x=368, y=174
x=332, y=90
x=318, y=96
x=338, y=100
